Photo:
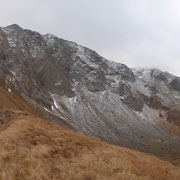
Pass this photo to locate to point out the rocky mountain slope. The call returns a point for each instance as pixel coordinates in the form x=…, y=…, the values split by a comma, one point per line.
x=34, y=148
x=135, y=108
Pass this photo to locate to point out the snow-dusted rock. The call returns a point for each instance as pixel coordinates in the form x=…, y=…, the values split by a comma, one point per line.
x=95, y=96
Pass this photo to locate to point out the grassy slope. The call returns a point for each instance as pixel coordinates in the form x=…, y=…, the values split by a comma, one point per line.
x=33, y=148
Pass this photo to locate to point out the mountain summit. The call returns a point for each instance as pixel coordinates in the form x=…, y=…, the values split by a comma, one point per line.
x=135, y=108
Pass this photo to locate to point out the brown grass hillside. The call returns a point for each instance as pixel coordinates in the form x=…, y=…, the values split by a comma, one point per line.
x=33, y=149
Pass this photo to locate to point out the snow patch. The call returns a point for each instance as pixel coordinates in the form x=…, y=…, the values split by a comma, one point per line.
x=9, y=91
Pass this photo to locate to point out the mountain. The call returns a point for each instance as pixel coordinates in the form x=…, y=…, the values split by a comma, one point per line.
x=34, y=148
x=78, y=89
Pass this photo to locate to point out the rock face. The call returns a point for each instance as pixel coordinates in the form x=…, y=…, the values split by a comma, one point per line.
x=104, y=99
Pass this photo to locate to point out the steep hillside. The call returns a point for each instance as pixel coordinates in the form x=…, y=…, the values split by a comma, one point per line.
x=139, y=109
x=34, y=148
x=165, y=88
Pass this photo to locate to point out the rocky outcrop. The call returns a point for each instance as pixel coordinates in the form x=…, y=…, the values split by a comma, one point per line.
x=175, y=84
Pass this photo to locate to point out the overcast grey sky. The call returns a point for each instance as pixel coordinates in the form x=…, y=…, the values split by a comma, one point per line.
x=138, y=33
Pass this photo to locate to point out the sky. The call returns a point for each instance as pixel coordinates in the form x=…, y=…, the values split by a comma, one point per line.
x=138, y=33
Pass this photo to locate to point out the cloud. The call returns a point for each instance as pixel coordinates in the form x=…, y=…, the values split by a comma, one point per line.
x=143, y=33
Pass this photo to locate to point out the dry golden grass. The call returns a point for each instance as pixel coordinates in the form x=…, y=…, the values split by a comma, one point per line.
x=35, y=149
